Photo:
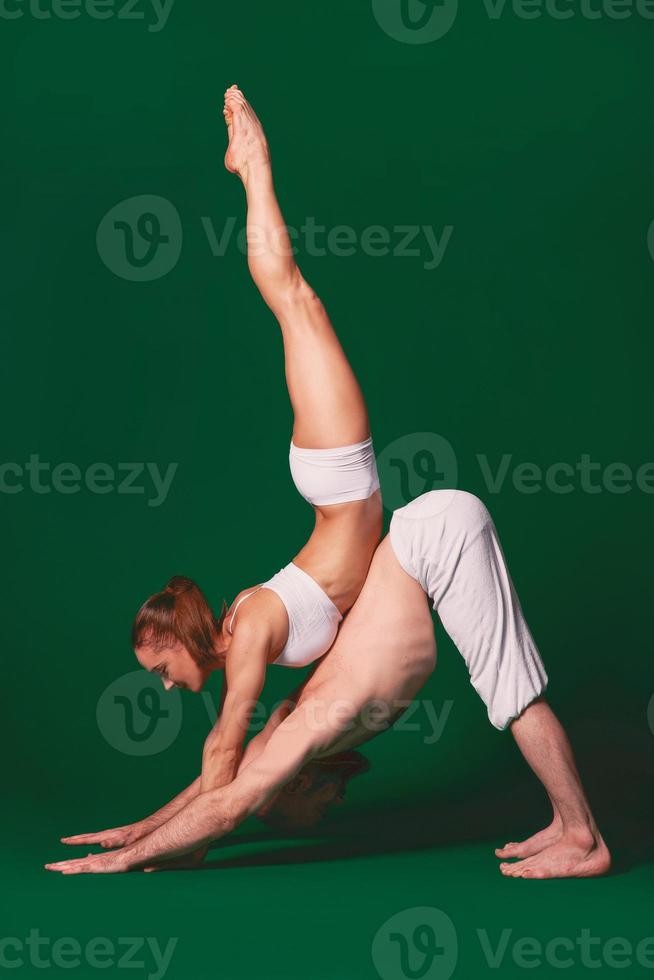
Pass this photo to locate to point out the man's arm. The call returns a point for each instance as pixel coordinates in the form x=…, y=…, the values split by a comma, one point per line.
x=130, y=833
x=213, y=814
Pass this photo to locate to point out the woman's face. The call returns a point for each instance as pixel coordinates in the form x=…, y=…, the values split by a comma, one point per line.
x=175, y=665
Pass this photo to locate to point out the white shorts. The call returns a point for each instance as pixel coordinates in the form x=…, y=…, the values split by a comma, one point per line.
x=446, y=541
x=335, y=476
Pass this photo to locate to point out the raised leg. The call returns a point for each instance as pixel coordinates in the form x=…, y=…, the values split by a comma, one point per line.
x=572, y=847
x=327, y=401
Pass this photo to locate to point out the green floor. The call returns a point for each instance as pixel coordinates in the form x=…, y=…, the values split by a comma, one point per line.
x=311, y=909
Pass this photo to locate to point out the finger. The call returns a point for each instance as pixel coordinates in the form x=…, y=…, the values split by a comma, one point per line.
x=80, y=839
x=60, y=865
x=88, y=838
x=81, y=866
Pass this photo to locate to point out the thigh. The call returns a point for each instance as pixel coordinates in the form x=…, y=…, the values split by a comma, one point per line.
x=327, y=401
x=481, y=612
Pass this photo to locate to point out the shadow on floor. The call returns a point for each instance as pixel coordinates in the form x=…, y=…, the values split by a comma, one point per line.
x=435, y=823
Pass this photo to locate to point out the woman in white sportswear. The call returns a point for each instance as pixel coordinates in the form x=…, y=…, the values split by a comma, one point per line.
x=291, y=619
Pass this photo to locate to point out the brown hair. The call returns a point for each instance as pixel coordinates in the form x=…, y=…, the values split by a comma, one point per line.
x=179, y=613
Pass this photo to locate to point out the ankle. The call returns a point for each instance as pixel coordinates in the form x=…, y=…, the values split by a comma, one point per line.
x=581, y=833
x=257, y=175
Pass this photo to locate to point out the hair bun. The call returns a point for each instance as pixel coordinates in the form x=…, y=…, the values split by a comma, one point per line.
x=179, y=584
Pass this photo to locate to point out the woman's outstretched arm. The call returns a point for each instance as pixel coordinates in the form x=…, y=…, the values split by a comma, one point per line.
x=214, y=814
x=245, y=674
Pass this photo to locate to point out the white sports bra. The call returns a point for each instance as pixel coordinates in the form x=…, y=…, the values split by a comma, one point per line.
x=313, y=619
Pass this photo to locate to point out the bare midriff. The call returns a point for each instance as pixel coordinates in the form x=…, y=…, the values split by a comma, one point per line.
x=338, y=553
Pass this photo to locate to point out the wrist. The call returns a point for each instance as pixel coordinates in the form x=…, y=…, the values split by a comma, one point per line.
x=126, y=859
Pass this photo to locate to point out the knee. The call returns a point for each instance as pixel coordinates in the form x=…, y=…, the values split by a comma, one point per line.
x=296, y=291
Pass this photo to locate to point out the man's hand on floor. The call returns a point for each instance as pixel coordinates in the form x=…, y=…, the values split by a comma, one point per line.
x=115, y=862
x=125, y=859
x=115, y=837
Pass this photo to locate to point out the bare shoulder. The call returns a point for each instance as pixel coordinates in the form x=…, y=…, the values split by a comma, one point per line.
x=260, y=618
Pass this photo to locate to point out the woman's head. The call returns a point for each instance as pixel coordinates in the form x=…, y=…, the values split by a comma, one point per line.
x=174, y=635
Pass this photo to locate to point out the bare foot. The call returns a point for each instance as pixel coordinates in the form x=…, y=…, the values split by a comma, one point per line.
x=532, y=845
x=248, y=147
x=575, y=855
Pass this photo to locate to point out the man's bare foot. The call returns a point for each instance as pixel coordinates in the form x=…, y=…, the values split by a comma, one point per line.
x=248, y=147
x=577, y=854
x=534, y=844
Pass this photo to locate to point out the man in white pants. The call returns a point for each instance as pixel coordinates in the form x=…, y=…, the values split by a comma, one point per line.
x=443, y=546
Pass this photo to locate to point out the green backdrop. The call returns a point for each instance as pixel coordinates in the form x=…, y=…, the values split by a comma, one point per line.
x=523, y=144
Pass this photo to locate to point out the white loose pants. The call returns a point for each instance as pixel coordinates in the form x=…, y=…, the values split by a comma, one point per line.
x=446, y=541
